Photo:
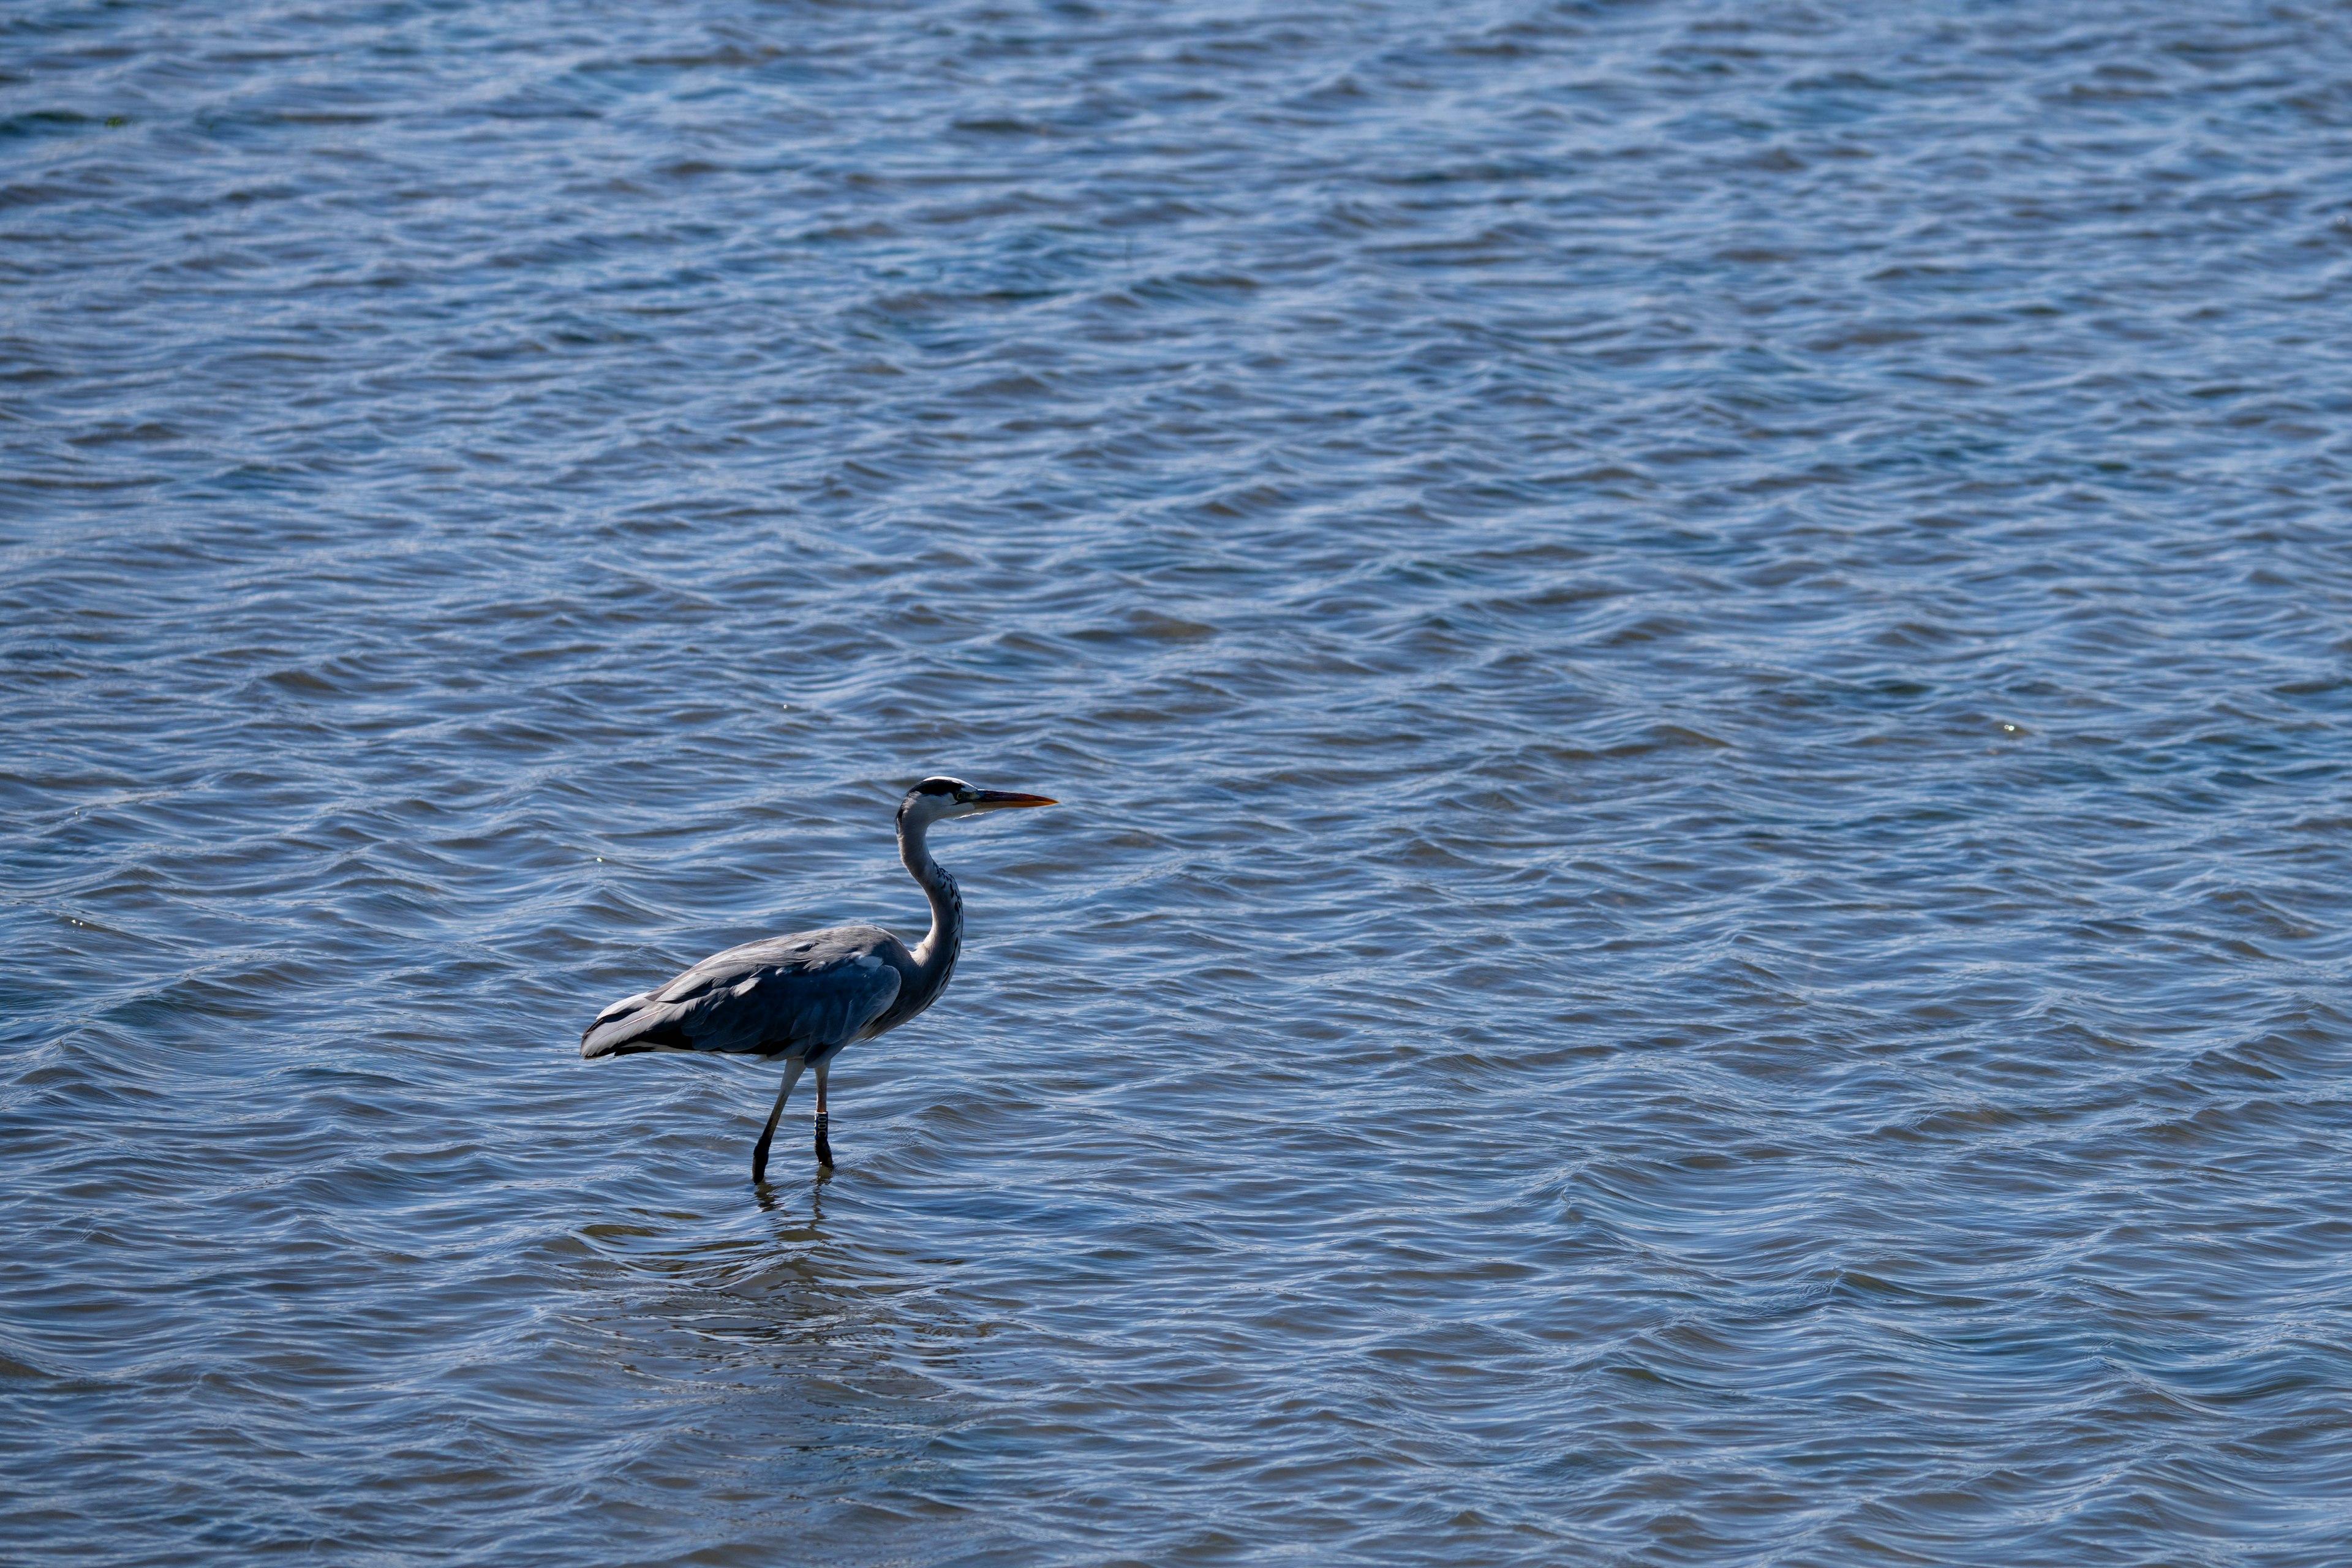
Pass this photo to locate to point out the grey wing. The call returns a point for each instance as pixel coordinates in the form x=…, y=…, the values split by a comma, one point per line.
x=795, y=996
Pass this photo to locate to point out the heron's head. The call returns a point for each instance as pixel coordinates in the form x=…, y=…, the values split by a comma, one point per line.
x=936, y=799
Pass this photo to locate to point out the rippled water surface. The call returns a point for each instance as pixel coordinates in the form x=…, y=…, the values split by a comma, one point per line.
x=1700, y=657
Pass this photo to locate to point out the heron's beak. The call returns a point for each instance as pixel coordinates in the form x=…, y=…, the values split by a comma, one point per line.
x=998, y=799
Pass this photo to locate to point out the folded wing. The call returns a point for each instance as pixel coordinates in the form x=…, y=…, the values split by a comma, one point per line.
x=801, y=996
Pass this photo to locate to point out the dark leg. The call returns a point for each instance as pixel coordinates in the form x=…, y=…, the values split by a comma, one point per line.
x=760, y=1150
x=823, y=1148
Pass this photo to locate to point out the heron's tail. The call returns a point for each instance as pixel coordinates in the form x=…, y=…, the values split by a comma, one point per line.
x=616, y=1026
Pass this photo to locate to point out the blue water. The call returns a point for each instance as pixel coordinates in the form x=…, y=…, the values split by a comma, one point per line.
x=1699, y=658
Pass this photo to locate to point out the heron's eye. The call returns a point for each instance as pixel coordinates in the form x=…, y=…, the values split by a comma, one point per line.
x=967, y=796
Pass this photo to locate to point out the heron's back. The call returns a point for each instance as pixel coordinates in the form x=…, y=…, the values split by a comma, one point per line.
x=806, y=995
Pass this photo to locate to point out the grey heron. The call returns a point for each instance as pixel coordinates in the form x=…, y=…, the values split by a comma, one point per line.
x=805, y=997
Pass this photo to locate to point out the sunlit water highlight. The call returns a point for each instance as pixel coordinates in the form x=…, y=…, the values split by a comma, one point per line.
x=1698, y=655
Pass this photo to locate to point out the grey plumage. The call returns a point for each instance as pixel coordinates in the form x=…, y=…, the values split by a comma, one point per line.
x=803, y=998
x=805, y=995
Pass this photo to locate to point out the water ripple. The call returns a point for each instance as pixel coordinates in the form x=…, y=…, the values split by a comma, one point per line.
x=1696, y=655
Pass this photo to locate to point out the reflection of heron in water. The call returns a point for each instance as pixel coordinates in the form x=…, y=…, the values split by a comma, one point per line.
x=806, y=997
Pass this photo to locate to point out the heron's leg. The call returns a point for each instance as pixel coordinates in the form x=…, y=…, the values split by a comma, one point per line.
x=823, y=1148
x=792, y=1067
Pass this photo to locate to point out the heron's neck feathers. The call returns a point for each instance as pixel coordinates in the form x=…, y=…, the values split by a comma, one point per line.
x=934, y=958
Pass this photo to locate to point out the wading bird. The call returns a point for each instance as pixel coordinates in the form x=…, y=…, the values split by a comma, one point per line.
x=803, y=997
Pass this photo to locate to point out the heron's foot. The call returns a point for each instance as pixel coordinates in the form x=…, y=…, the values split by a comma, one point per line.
x=823, y=1148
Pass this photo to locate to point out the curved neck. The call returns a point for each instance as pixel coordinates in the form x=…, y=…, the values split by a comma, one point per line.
x=934, y=958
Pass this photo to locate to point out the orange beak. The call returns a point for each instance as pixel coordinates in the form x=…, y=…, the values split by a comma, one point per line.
x=998, y=799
